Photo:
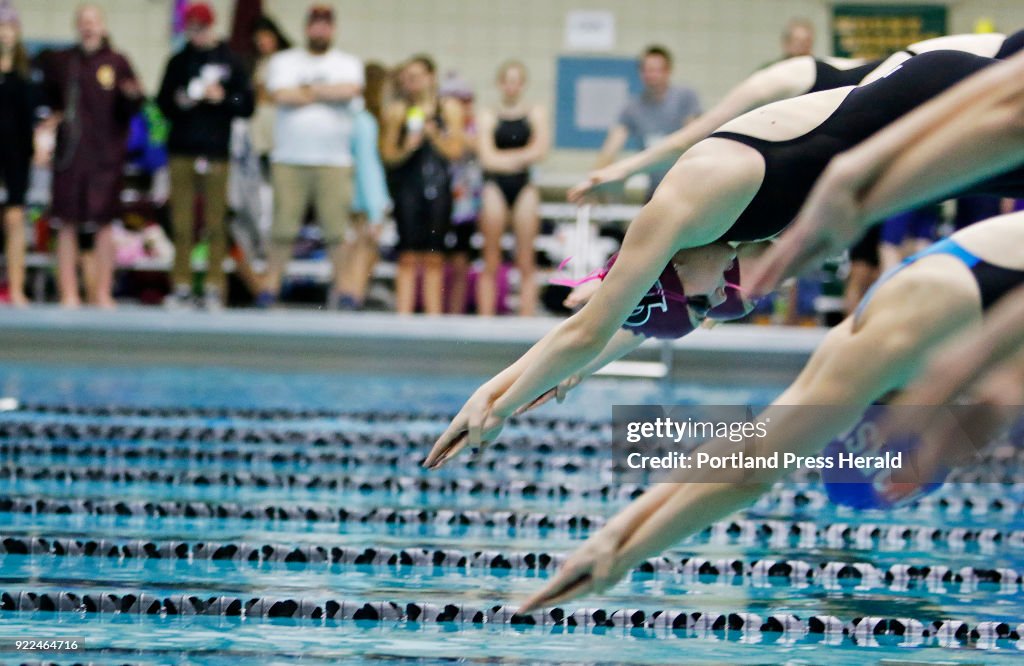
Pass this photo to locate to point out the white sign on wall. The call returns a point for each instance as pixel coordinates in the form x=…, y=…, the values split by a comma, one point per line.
x=589, y=30
x=599, y=101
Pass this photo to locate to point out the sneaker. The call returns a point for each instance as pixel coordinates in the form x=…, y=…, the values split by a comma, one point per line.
x=179, y=299
x=265, y=300
x=212, y=300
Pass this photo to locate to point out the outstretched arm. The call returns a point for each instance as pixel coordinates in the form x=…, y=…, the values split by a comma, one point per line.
x=987, y=369
x=971, y=132
x=571, y=345
x=669, y=512
x=846, y=373
x=623, y=342
x=685, y=212
x=780, y=81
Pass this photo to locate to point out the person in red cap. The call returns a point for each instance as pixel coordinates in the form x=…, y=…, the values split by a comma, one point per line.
x=94, y=93
x=318, y=91
x=198, y=15
x=205, y=87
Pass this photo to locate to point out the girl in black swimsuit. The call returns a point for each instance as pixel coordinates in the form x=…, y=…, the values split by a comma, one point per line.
x=511, y=141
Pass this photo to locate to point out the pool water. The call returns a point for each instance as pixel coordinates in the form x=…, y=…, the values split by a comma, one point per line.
x=288, y=520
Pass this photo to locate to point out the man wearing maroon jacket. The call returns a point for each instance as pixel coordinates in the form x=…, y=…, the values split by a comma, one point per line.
x=93, y=93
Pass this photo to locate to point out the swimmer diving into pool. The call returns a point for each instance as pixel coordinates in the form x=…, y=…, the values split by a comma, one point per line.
x=677, y=265
x=787, y=79
x=943, y=290
x=965, y=135
x=982, y=372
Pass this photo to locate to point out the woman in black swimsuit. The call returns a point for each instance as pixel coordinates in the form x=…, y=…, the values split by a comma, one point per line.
x=511, y=140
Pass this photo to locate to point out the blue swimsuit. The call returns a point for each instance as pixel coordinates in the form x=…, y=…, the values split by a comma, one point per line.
x=993, y=281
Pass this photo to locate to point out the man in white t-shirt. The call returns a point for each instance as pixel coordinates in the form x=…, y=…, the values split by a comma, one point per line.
x=317, y=90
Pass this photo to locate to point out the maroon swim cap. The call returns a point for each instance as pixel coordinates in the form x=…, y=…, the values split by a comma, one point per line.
x=663, y=313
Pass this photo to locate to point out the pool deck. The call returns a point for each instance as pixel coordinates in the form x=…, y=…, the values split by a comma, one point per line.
x=311, y=340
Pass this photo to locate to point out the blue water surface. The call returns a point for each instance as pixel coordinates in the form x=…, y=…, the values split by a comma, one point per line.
x=121, y=638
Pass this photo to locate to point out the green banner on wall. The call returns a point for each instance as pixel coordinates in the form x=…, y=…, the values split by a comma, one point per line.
x=875, y=31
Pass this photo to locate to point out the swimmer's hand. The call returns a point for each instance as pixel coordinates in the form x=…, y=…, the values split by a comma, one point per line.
x=559, y=393
x=579, y=296
x=949, y=434
x=475, y=426
x=596, y=178
x=591, y=569
x=830, y=221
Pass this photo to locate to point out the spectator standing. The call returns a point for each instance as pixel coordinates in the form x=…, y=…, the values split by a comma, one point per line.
x=798, y=38
x=422, y=135
x=17, y=118
x=204, y=88
x=267, y=40
x=94, y=92
x=512, y=139
x=467, y=186
x=371, y=201
x=317, y=90
x=662, y=108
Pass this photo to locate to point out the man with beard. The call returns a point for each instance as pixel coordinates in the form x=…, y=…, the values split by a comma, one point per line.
x=317, y=90
x=93, y=92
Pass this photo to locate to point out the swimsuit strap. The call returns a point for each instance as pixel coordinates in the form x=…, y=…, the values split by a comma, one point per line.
x=946, y=246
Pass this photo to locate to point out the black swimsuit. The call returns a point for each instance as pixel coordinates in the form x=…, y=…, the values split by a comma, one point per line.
x=511, y=134
x=827, y=77
x=421, y=190
x=1012, y=44
x=993, y=281
x=792, y=166
x=866, y=249
x=17, y=116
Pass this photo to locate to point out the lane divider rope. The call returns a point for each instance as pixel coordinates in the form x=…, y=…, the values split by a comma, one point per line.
x=678, y=623
x=799, y=572
x=773, y=533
